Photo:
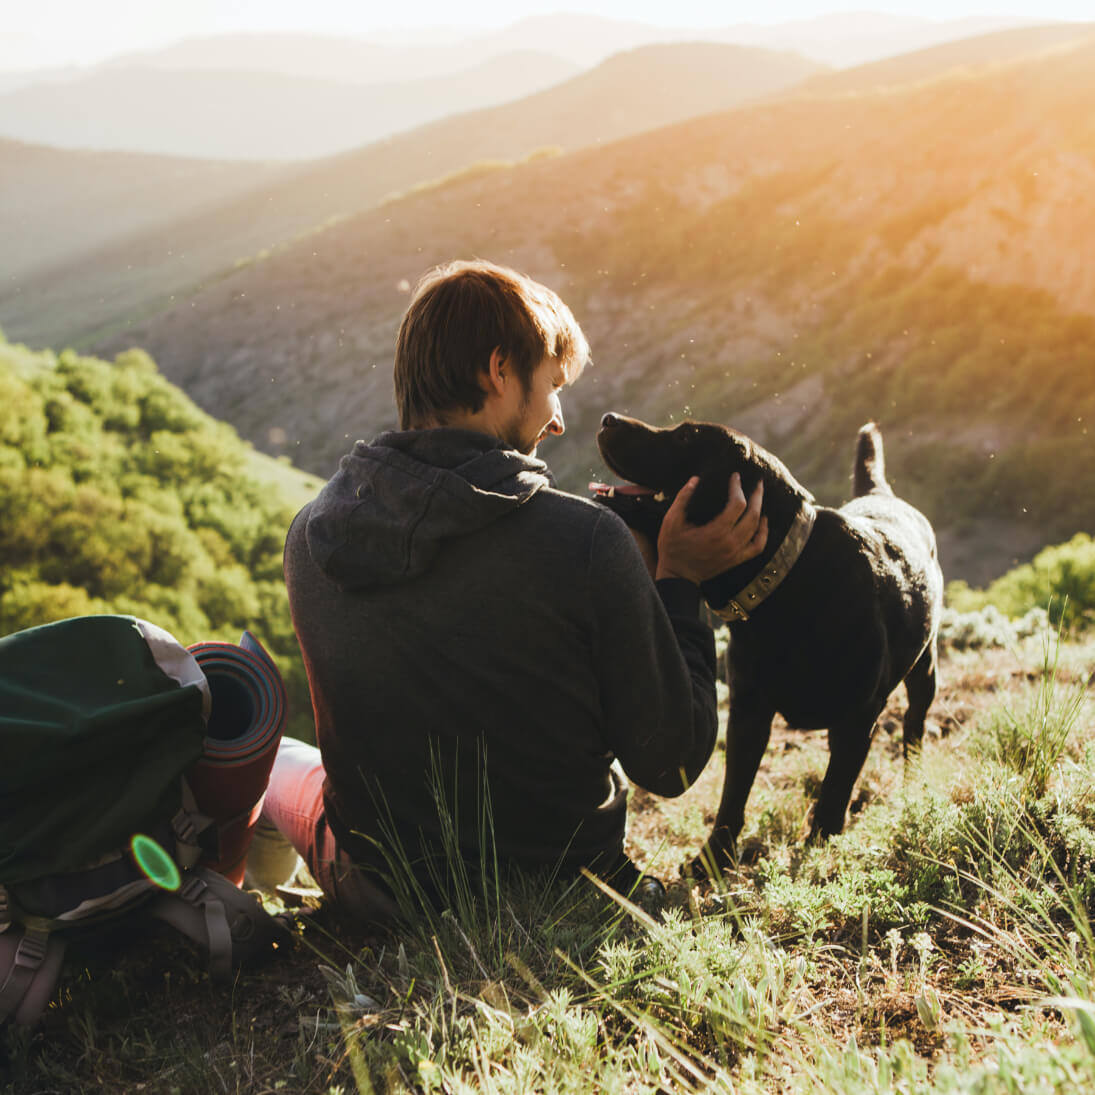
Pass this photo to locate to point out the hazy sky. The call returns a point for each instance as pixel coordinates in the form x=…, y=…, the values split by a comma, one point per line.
x=45, y=32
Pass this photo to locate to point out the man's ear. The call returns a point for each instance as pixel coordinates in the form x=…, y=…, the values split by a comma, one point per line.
x=497, y=373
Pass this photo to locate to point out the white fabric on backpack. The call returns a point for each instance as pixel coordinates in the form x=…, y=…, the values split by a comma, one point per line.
x=176, y=661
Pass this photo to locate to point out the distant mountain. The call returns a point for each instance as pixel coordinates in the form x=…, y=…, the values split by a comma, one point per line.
x=255, y=115
x=13, y=79
x=386, y=56
x=341, y=59
x=852, y=38
x=795, y=268
x=58, y=204
x=839, y=39
x=982, y=51
x=631, y=92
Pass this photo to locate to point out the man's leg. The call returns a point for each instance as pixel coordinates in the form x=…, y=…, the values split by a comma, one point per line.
x=293, y=808
x=273, y=857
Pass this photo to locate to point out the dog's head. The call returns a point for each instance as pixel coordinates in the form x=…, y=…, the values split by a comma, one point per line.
x=663, y=460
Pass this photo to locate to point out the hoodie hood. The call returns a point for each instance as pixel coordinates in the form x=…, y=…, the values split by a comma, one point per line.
x=392, y=504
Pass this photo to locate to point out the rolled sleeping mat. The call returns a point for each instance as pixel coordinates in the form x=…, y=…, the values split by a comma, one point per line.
x=245, y=725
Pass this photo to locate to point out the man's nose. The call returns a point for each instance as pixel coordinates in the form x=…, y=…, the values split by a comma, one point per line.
x=556, y=425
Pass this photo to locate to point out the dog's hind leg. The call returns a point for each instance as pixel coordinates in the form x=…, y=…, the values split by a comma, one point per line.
x=920, y=686
x=747, y=732
x=849, y=745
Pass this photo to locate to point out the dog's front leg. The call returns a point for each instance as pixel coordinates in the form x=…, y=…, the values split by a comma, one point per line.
x=747, y=732
x=849, y=744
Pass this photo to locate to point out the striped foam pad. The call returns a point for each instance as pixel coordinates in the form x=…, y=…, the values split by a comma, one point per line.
x=249, y=703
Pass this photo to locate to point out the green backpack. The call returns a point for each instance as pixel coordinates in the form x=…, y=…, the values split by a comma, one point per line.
x=103, y=720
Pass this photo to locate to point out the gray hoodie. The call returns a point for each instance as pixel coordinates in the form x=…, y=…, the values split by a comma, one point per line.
x=458, y=614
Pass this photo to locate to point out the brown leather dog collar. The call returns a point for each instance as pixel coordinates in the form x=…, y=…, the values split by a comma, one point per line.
x=739, y=607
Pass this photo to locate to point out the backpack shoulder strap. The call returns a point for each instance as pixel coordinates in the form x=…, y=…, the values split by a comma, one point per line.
x=30, y=964
x=229, y=922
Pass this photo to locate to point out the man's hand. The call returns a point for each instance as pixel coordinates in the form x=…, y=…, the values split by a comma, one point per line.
x=699, y=552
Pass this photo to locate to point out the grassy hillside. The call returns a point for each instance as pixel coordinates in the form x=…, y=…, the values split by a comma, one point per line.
x=123, y=282
x=119, y=495
x=794, y=269
x=942, y=943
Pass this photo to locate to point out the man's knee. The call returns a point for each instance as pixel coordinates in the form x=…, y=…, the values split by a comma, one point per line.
x=271, y=860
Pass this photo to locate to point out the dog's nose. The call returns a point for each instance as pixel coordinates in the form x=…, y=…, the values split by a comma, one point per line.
x=609, y=419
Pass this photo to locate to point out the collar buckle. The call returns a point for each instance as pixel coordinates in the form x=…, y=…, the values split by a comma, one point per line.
x=732, y=611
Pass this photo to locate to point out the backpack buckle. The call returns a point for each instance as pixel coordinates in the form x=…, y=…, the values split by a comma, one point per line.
x=31, y=951
x=194, y=832
x=183, y=825
x=193, y=889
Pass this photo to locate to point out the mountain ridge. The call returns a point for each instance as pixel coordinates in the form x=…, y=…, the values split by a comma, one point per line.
x=840, y=39
x=744, y=267
x=48, y=221
x=625, y=95
x=230, y=115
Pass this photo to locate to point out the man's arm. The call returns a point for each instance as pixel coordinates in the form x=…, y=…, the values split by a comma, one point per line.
x=657, y=657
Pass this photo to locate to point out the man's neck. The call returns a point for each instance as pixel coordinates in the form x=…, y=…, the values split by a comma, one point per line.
x=479, y=422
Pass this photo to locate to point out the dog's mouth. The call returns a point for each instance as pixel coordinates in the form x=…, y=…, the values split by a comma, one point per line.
x=628, y=490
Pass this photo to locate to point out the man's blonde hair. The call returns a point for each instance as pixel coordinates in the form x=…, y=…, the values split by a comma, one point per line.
x=459, y=314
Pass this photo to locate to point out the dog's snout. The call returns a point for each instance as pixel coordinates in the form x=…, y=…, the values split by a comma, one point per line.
x=609, y=419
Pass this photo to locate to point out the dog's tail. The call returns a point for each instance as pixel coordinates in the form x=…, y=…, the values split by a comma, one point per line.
x=869, y=474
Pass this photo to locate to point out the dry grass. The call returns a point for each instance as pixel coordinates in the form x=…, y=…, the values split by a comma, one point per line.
x=780, y=978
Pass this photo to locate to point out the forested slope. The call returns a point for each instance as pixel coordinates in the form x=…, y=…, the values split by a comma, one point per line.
x=119, y=495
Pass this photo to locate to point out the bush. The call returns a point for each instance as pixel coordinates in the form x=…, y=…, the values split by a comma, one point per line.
x=120, y=495
x=1059, y=578
x=988, y=627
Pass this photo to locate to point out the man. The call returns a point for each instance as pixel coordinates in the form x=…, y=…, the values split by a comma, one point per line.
x=484, y=651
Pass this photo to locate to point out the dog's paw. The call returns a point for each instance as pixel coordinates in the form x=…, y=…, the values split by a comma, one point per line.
x=752, y=851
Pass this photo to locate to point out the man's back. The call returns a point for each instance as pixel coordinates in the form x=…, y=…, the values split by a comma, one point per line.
x=458, y=615
x=465, y=627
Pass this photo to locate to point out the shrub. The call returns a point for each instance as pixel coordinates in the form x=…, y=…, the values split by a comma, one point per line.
x=1060, y=578
x=120, y=495
x=988, y=627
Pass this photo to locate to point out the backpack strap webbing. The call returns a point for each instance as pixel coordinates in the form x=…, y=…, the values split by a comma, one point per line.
x=27, y=960
x=33, y=962
x=229, y=922
x=192, y=829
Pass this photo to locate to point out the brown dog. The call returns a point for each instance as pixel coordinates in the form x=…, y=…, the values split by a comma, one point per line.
x=839, y=609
